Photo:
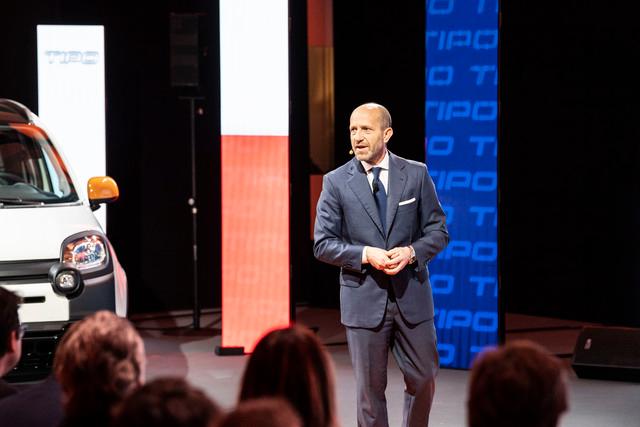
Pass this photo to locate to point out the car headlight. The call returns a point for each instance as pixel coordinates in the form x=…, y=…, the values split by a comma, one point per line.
x=85, y=252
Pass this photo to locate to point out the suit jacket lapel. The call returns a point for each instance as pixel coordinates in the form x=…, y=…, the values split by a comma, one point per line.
x=360, y=187
x=397, y=182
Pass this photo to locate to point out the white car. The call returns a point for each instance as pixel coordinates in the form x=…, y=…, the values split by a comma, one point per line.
x=53, y=252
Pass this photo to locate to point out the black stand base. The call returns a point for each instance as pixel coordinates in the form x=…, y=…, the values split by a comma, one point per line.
x=229, y=351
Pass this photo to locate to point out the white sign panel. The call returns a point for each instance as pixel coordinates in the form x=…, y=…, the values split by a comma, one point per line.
x=254, y=67
x=71, y=97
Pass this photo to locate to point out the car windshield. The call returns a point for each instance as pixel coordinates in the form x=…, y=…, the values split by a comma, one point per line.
x=31, y=170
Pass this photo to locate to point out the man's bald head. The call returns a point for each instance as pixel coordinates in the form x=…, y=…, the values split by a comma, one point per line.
x=383, y=114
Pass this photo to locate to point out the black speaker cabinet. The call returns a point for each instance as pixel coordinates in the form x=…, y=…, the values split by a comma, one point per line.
x=184, y=50
x=608, y=353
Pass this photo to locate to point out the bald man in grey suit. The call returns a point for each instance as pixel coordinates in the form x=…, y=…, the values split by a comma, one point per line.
x=382, y=243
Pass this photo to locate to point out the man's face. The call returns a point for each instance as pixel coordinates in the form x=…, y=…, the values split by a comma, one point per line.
x=368, y=137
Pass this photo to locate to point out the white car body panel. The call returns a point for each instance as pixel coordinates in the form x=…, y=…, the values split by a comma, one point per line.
x=31, y=233
x=36, y=233
x=55, y=308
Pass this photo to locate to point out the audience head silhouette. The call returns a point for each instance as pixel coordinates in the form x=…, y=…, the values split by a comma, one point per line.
x=292, y=363
x=262, y=412
x=10, y=332
x=166, y=402
x=518, y=384
x=98, y=361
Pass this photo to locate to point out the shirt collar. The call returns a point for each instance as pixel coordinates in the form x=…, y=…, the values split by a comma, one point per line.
x=384, y=164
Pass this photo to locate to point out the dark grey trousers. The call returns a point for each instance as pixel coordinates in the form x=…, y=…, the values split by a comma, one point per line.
x=414, y=349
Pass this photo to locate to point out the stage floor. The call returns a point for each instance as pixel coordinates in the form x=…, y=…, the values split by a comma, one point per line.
x=173, y=348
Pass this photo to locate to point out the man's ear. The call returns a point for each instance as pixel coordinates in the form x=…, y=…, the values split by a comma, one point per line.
x=387, y=134
x=13, y=342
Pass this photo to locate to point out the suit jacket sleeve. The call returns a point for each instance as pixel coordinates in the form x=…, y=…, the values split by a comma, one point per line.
x=329, y=245
x=434, y=234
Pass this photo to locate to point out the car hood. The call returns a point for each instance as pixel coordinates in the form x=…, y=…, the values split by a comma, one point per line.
x=31, y=233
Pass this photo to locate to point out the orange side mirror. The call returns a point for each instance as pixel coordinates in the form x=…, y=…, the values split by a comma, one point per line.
x=102, y=189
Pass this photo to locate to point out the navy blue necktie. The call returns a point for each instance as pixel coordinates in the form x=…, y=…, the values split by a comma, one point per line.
x=380, y=195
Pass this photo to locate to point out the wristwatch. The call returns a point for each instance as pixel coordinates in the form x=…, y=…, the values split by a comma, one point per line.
x=413, y=255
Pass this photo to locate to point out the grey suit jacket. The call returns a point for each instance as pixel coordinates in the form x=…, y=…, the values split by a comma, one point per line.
x=347, y=220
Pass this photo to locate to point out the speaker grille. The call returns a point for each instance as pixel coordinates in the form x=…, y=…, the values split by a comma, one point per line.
x=184, y=50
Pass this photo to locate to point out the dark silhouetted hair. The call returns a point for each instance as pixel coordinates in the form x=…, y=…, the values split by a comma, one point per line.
x=98, y=361
x=166, y=402
x=292, y=363
x=9, y=320
x=262, y=412
x=519, y=384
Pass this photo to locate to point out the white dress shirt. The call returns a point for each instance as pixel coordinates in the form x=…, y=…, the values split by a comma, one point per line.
x=384, y=173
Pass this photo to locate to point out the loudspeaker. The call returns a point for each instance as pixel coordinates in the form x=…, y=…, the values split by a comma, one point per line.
x=184, y=50
x=608, y=353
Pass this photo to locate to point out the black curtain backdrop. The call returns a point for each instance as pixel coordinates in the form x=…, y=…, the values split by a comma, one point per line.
x=570, y=160
x=380, y=57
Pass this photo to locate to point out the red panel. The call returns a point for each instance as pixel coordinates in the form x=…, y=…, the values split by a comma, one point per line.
x=255, y=237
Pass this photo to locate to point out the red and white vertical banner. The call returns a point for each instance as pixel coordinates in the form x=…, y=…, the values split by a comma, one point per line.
x=254, y=101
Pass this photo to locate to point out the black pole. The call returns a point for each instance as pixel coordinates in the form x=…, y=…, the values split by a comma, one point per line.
x=194, y=217
x=194, y=209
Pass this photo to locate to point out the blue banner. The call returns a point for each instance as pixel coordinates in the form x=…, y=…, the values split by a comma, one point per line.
x=461, y=152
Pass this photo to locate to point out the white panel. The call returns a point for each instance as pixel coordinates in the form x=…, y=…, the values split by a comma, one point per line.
x=71, y=98
x=254, y=67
